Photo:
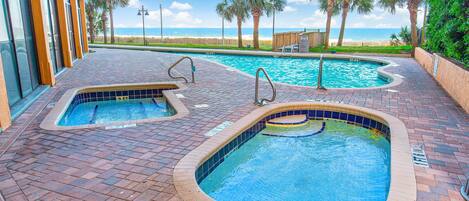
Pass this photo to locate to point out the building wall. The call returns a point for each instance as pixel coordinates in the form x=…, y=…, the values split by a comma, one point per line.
x=453, y=78
x=44, y=62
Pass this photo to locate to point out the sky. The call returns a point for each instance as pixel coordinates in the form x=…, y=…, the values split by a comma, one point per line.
x=297, y=14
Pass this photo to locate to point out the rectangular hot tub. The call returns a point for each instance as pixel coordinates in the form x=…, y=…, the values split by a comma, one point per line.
x=115, y=105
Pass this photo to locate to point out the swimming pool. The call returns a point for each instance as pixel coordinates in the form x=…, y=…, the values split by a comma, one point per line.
x=337, y=73
x=108, y=111
x=336, y=164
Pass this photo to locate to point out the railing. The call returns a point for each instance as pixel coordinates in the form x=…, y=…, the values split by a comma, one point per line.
x=465, y=191
x=263, y=101
x=321, y=63
x=182, y=77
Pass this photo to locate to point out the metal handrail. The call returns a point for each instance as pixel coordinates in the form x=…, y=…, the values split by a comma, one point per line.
x=182, y=77
x=263, y=101
x=465, y=190
x=321, y=63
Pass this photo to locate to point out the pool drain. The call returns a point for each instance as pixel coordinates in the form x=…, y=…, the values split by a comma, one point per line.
x=218, y=128
x=418, y=155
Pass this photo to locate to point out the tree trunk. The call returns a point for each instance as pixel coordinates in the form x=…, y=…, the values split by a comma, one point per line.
x=111, y=18
x=240, y=32
x=256, y=16
x=90, y=12
x=413, y=9
x=345, y=9
x=330, y=10
x=104, y=21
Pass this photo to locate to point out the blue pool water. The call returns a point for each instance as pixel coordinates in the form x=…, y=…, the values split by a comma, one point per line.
x=101, y=112
x=345, y=162
x=304, y=71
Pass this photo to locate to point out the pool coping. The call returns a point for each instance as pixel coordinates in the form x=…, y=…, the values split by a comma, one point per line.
x=402, y=182
x=54, y=116
x=394, y=80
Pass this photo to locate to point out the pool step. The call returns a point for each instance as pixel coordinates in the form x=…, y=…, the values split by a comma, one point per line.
x=310, y=128
x=288, y=121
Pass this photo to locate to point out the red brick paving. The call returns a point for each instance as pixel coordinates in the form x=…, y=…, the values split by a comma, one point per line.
x=136, y=163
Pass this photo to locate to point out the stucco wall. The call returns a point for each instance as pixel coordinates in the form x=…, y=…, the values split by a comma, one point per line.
x=454, y=79
x=425, y=59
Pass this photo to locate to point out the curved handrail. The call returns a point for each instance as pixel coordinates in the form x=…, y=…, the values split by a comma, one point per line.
x=181, y=77
x=321, y=63
x=263, y=101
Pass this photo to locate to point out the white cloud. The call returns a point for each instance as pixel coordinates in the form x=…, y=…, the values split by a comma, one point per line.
x=318, y=20
x=134, y=3
x=180, y=6
x=155, y=15
x=373, y=16
x=300, y=2
x=357, y=25
x=288, y=9
x=185, y=19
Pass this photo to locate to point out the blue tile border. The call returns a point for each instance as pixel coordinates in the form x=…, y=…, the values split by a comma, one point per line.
x=216, y=159
x=111, y=95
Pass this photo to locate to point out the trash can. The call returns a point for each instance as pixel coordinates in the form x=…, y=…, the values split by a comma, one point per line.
x=304, y=43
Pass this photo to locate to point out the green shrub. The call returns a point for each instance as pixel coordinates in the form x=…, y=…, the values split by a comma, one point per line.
x=448, y=29
x=405, y=35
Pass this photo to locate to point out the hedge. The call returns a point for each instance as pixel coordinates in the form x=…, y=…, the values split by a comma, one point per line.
x=448, y=29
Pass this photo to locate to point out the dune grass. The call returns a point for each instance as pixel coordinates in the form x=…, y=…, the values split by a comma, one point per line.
x=344, y=49
x=404, y=49
x=188, y=45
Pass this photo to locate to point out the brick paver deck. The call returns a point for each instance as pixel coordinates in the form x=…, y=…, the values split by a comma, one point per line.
x=136, y=163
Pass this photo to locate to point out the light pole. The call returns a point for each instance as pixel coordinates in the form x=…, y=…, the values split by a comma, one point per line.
x=143, y=12
x=161, y=20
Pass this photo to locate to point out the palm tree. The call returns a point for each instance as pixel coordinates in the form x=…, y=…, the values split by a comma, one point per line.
x=362, y=6
x=93, y=18
x=275, y=5
x=104, y=8
x=113, y=4
x=223, y=12
x=412, y=6
x=240, y=10
x=331, y=7
x=257, y=8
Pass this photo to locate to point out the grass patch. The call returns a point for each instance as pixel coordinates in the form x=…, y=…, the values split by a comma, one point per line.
x=343, y=49
x=366, y=49
x=188, y=45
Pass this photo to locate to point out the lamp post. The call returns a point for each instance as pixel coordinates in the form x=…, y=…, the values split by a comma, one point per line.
x=143, y=12
x=161, y=20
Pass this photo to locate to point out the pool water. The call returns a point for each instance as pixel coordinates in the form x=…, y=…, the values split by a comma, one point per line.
x=337, y=73
x=345, y=162
x=101, y=112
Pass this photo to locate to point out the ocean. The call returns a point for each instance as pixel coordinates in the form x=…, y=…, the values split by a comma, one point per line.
x=351, y=34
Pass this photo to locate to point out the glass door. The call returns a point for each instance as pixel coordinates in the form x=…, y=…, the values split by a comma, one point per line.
x=18, y=32
x=18, y=50
x=10, y=70
x=30, y=42
x=68, y=7
x=53, y=35
x=80, y=23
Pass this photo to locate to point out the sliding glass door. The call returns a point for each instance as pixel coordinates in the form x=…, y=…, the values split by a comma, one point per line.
x=71, y=35
x=10, y=69
x=80, y=23
x=52, y=29
x=18, y=50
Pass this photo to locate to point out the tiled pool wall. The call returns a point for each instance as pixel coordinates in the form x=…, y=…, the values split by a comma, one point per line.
x=86, y=97
x=216, y=159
